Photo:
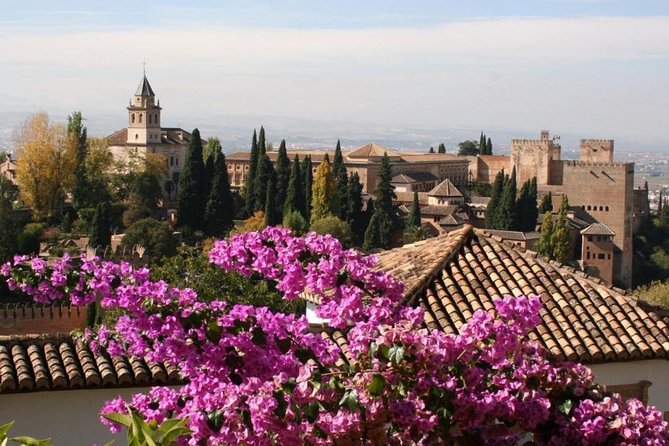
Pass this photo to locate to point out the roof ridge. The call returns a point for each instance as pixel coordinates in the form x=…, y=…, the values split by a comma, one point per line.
x=459, y=236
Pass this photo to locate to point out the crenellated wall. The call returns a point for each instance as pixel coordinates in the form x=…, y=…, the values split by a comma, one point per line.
x=20, y=319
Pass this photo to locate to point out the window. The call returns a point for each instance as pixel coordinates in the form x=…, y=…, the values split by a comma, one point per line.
x=601, y=256
x=177, y=161
x=588, y=207
x=133, y=118
x=606, y=208
x=136, y=136
x=588, y=255
x=140, y=118
x=171, y=161
x=150, y=118
x=601, y=208
x=609, y=256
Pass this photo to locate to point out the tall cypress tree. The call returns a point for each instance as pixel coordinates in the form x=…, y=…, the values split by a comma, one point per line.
x=264, y=171
x=251, y=175
x=379, y=232
x=295, y=193
x=262, y=145
x=9, y=230
x=100, y=236
x=442, y=148
x=307, y=169
x=192, y=187
x=560, y=239
x=323, y=201
x=341, y=179
x=271, y=211
x=546, y=203
x=495, y=199
x=545, y=244
x=431, y=150
x=77, y=135
x=355, y=216
x=218, y=214
x=488, y=147
x=414, y=215
x=282, y=178
x=507, y=214
x=482, y=145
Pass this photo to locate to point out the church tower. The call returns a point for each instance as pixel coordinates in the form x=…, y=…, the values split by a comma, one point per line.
x=144, y=116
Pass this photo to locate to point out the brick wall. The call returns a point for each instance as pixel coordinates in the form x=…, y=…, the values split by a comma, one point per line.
x=40, y=320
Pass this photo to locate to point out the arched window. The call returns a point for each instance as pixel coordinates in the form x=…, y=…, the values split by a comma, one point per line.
x=133, y=118
x=606, y=208
x=136, y=136
x=150, y=118
x=588, y=207
x=140, y=118
x=601, y=208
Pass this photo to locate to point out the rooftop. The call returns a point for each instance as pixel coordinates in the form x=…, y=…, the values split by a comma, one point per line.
x=598, y=229
x=445, y=189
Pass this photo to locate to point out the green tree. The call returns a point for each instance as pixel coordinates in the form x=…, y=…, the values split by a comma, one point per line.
x=431, y=150
x=219, y=211
x=29, y=238
x=482, y=144
x=507, y=214
x=468, y=148
x=145, y=192
x=354, y=213
x=294, y=221
x=489, y=147
x=264, y=172
x=211, y=149
x=9, y=231
x=341, y=179
x=414, y=215
x=154, y=236
x=527, y=206
x=546, y=203
x=492, y=209
x=324, y=192
x=100, y=236
x=77, y=134
x=272, y=215
x=442, y=148
x=295, y=194
x=379, y=233
x=307, y=169
x=262, y=145
x=251, y=175
x=560, y=238
x=192, y=186
x=545, y=244
x=334, y=226
x=283, y=171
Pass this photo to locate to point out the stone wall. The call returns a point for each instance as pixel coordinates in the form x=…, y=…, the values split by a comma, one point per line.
x=23, y=319
x=597, y=150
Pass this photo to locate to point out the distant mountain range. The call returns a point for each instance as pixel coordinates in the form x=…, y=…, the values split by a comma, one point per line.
x=235, y=133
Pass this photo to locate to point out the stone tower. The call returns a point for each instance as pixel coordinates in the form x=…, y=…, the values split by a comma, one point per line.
x=144, y=116
x=597, y=250
x=597, y=150
x=535, y=158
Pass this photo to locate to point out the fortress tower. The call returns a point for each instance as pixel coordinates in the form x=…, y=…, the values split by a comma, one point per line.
x=535, y=158
x=597, y=150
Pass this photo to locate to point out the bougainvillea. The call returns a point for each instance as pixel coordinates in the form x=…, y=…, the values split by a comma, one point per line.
x=253, y=377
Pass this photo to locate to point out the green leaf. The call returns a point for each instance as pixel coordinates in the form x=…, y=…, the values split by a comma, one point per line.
x=565, y=407
x=119, y=418
x=283, y=345
x=214, y=332
x=377, y=385
x=350, y=399
x=4, y=429
x=215, y=420
x=396, y=354
x=258, y=336
x=311, y=411
x=280, y=410
x=30, y=441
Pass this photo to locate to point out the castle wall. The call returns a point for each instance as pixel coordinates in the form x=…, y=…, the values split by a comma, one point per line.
x=604, y=192
x=489, y=165
x=532, y=158
x=37, y=320
x=597, y=150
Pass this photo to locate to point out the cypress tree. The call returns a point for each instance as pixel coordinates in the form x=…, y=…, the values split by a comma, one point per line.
x=251, y=175
x=545, y=244
x=9, y=230
x=495, y=199
x=527, y=207
x=77, y=135
x=212, y=149
x=546, y=203
x=379, y=232
x=192, y=188
x=482, y=144
x=218, y=214
x=341, y=179
x=323, y=202
x=282, y=178
x=209, y=171
x=659, y=203
x=264, y=171
x=262, y=146
x=488, y=147
x=560, y=240
x=307, y=169
x=295, y=193
x=271, y=211
x=507, y=214
x=414, y=216
x=442, y=148
x=100, y=236
x=431, y=150
x=355, y=217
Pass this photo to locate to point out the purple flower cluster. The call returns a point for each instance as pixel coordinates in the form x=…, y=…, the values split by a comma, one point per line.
x=255, y=377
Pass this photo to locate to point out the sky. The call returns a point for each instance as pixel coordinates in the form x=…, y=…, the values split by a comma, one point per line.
x=592, y=68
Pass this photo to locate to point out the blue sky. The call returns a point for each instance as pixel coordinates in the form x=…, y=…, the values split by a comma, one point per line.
x=594, y=68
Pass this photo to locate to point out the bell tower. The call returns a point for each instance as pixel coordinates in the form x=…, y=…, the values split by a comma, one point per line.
x=144, y=116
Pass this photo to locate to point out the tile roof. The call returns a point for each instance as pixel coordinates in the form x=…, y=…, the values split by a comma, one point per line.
x=407, y=197
x=445, y=189
x=413, y=177
x=48, y=362
x=454, y=275
x=372, y=150
x=439, y=210
x=597, y=229
x=169, y=135
x=434, y=157
x=512, y=235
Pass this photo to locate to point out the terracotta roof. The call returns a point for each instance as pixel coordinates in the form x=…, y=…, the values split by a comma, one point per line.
x=454, y=275
x=169, y=135
x=512, y=235
x=48, y=362
x=413, y=177
x=598, y=229
x=421, y=157
x=316, y=155
x=445, y=189
x=439, y=210
x=372, y=150
x=453, y=220
x=407, y=197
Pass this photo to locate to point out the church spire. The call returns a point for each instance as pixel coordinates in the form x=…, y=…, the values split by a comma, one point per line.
x=144, y=89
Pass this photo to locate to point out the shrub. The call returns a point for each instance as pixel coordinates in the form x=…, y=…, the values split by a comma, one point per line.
x=294, y=221
x=335, y=227
x=153, y=235
x=29, y=238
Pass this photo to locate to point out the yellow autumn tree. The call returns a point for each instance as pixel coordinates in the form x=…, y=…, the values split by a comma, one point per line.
x=323, y=193
x=45, y=164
